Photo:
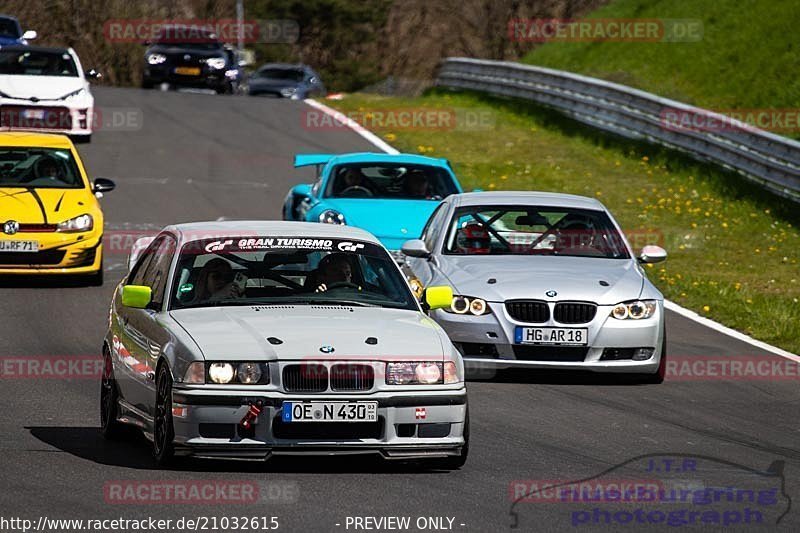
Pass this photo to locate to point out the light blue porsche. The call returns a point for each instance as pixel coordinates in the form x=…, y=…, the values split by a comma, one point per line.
x=389, y=195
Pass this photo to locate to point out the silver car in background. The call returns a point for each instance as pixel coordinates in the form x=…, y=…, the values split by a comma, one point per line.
x=541, y=280
x=248, y=339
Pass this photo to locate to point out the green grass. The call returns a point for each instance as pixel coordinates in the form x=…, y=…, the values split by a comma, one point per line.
x=734, y=249
x=748, y=57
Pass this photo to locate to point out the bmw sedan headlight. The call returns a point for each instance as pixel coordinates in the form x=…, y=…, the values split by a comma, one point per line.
x=331, y=216
x=422, y=373
x=217, y=63
x=74, y=225
x=634, y=310
x=222, y=373
x=464, y=305
x=288, y=92
x=156, y=59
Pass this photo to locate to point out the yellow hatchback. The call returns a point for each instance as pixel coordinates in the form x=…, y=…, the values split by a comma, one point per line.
x=50, y=219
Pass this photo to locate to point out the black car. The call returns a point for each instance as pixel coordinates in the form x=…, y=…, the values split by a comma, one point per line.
x=284, y=80
x=186, y=56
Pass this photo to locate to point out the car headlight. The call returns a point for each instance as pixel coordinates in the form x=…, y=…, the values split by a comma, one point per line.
x=217, y=63
x=634, y=310
x=156, y=59
x=248, y=373
x=331, y=216
x=74, y=94
x=288, y=91
x=462, y=305
x=195, y=373
x=422, y=373
x=79, y=223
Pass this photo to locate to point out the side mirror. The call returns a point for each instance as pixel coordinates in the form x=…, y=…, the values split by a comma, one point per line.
x=139, y=246
x=136, y=296
x=93, y=74
x=416, y=248
x=30, y=35
x=438, y=297
x=103, y=185
x=652, y=254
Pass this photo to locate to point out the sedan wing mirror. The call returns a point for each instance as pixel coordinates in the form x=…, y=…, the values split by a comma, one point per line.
x=652, y=254
x=103, y=185
x=416, y=248
x=30, y=35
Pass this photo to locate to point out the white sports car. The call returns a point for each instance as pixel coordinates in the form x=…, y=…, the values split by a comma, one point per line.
x=46, y=90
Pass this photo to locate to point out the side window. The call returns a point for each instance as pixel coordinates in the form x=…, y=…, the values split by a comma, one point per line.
x=136, y=276
x=158, y=270
x=430, y=232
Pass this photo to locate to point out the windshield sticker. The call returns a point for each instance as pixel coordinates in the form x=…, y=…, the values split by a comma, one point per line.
x=270, y=243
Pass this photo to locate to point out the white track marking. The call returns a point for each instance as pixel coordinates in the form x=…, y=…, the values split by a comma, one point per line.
x=672, y=306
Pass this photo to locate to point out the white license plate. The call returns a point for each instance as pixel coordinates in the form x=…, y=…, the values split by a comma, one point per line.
x=552, y=336
x=19, y=246
x=33, y=114
x=330, y=412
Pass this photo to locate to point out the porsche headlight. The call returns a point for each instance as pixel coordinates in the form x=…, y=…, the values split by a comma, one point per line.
x=634, y=310
x=331, y=216
x=216, y=63
x=462, y=305
x=422, y=373
x=156, y=59
x=79, y=223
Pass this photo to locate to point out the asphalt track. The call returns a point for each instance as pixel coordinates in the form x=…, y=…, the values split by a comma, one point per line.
x=201, y=157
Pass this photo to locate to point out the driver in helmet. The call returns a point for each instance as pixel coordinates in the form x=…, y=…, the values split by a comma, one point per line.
x=352, y=180
x=47, y=167
x=473, y=239
x=334, y=269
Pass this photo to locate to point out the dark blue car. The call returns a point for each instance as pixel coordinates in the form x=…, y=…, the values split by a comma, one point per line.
x=11, y=32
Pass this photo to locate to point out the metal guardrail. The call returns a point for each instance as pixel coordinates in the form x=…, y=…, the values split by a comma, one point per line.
x=770, y=160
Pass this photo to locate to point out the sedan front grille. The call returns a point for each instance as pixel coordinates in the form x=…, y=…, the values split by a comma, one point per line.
x=531, y=311
x=305, y=378
x=349, y=377
x=574, y=312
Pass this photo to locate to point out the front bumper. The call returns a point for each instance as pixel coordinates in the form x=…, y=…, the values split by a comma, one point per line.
x=76, y=119
x=487, y=342
x=207, y=79
x=209, y=425
x=59, y=253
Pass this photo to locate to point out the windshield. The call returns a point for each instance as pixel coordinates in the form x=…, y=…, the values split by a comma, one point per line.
x=37, y=63
x=531, y=230
x=38, y=167
x=192, y=37
x=8, y=28
x=289, y=74
x=274, y=270
x=420, y=182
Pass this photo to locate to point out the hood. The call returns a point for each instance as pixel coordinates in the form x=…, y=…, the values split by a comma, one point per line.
x=530, y=277
x=240, y=333
x=41, y=87
x=392, y=221
x=40, y=205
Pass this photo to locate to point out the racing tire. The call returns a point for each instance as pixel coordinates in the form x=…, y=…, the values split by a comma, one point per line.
x=110, y=427
x=657, y=377
x=163, y=429
x=454, y=462
x=95, y=279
